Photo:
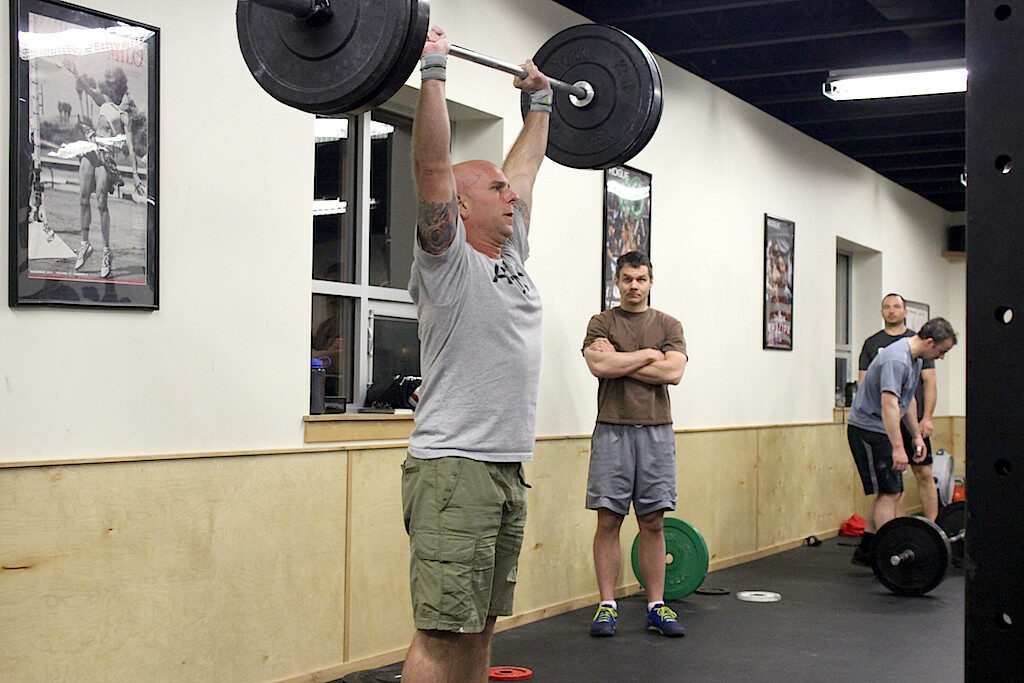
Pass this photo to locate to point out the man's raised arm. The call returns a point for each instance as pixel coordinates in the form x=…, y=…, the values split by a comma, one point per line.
x=524, y=159
x=431, y=157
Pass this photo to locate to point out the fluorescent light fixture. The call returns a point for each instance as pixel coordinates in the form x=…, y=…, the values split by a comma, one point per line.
x=897, y=81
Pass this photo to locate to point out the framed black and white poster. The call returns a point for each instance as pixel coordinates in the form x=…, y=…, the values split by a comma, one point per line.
x=627, y=223
x=778, y=283
x=917, y=314
x=84, y=158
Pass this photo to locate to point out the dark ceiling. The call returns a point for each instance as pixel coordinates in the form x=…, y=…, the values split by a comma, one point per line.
x=775, y=54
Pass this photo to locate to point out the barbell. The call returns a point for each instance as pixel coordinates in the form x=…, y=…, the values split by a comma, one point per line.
x=911, y=554
x=332, y=57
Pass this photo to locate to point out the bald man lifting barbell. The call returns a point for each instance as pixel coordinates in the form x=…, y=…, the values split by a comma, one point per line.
x=463, y=491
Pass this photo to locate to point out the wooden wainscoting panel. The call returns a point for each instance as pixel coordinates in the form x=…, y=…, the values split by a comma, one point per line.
x=959, y=444
x=807, y=482
x=187, y=570
x=942, y=437
x=716, y=482
x=556, y=564
x=380, y=609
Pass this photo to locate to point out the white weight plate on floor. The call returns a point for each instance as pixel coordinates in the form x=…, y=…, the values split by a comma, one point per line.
x=758, y=596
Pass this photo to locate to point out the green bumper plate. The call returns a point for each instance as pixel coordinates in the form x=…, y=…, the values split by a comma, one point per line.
x=686, y=559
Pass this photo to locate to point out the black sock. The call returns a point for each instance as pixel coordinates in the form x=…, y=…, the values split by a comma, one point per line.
x=865, y=542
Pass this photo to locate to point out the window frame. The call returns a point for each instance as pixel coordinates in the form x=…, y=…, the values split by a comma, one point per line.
x=844, y=312
x=369, y=300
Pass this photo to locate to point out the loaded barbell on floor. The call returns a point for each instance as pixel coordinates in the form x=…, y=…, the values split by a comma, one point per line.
x=911, y=554
x=312, y=56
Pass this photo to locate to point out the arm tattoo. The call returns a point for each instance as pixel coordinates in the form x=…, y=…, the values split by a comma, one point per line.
x=436, y=225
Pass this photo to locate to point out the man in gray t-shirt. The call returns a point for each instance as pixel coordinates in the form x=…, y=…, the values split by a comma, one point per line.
x=463, y=492
x=885, y=397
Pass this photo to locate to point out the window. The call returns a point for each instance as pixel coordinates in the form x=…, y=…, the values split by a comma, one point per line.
x=333, y=323
x=844, y=355
x=334, y=253
x=364, y=221
x=393, y=214
x=396, y=348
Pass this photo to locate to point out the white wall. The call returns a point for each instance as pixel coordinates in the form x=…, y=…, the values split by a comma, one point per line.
x=222, y=364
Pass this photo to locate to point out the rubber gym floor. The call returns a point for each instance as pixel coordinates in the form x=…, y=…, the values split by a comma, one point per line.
x=835, y=622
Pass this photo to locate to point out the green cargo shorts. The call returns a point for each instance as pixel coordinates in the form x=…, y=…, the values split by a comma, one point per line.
x=465, y=522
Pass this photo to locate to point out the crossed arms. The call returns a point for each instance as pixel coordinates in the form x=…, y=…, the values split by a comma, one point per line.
x=650, y=366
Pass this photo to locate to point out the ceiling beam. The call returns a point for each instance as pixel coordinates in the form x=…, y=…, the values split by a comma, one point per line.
x=916, y=133
x=898, y=152
x=835, y=62
x=794, y=98
x=917, y=167
x=950, y=182
x=805, y=37
x=873, y=116
x=689, y=11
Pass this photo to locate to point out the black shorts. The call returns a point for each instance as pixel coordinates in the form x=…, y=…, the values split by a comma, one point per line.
x=872, y=453
x=908, y=446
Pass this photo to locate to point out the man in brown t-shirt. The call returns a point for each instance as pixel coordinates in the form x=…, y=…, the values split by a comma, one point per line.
x=636, y=352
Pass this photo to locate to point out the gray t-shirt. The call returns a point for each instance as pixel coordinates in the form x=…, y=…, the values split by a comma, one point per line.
x=480, y=347
x=877, y=342
x=893, y=370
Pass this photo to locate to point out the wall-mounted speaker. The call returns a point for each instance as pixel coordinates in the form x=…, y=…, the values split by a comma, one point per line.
x=956, y=238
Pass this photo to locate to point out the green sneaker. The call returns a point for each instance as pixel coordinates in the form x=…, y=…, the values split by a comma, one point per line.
x=603, y=624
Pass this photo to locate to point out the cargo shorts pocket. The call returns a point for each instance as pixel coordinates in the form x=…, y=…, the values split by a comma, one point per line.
x=427, y=489
x=444, y=591
x=431, y=545
x=448, y=471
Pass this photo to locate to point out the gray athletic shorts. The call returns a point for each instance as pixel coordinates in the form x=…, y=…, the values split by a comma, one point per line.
x=632, y=463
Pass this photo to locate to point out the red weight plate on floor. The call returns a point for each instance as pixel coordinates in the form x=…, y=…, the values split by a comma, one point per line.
x=509, y=673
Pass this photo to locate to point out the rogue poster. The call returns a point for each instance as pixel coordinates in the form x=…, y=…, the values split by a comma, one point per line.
x=778, y=283
x=627, y=223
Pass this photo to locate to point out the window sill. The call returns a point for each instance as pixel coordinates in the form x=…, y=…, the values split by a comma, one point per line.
x=357, y=427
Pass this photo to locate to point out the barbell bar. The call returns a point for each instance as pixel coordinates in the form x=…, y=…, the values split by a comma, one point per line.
x=582, y=91
x=317, y=57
